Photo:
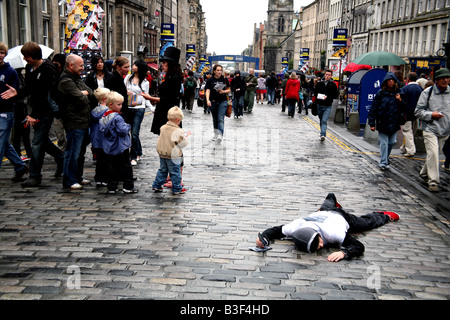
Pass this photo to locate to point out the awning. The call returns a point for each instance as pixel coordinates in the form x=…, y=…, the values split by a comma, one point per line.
x=153, y=66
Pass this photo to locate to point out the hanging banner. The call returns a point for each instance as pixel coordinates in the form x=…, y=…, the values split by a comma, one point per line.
x=167, y=32
x=304, y=57
x=190, y=50
x=83, y=25
x=340, y=38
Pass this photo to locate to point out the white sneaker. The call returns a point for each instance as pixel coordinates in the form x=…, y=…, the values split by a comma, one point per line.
x=220, y=138
x=85, y=182
x=76, y=186
x=215, y=137
x=133, y=162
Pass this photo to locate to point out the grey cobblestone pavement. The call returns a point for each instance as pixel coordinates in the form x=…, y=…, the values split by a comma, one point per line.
x=270, y=169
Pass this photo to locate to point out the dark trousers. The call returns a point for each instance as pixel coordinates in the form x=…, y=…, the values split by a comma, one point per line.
x=101, y=170
x=357, y=224
x=119, y=169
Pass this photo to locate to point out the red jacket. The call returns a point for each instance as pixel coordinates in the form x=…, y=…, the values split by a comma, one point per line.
x=292, y=89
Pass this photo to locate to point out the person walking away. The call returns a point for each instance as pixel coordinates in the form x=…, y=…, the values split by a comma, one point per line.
x=170, y=143
x=76, y=121
x=190, y=84
x=39, y=78
x=411, y=91
x=59, y=60
x=238, y=89
x=384, y=116
x=8, y=79
x=433, y=110
x=101, y=172
x=423, y=80
x=116, y=145
x=292, y=96
x=324, y=93
x=278, y=90
x=271, y=84
x=136, y=84
x=217, y=87
x=305, y=92
x=261, y=89
x=283, y=92
x=251, y=83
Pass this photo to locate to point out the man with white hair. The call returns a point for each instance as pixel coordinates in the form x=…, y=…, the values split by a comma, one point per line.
x=75, y=120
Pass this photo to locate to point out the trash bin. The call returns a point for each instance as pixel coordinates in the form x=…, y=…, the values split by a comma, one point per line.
x=362, y=87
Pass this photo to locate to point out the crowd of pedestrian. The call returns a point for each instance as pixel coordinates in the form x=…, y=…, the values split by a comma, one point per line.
x=106, y=109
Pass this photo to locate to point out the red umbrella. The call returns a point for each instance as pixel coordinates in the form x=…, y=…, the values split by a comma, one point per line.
x=352, y=67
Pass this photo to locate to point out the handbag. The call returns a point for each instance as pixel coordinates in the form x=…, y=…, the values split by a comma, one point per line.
x=229, y=107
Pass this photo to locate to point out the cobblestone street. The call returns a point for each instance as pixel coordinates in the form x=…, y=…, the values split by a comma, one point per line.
x=269, y=170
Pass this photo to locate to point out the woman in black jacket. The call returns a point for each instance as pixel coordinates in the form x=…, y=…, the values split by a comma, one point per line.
x=169, y=89
x=121, y=67
x=238, y=89
x=98, y=77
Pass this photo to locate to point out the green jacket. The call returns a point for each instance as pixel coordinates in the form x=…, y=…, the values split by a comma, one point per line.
x=253, y=82
x=78, y=110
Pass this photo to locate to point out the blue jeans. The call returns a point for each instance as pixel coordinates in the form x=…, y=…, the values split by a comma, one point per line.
x=324, y=113
x=6, y=149
x=238, y=106
x=137, y=115
x=218, y=110
x=387, y=141
x=71, y=171
x=42, y=144
x=171, y=167
x=270, y=95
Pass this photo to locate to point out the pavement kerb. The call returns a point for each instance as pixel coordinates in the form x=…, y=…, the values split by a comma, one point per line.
x=442, y=213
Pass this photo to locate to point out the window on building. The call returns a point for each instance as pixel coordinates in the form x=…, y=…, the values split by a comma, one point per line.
x=433, y=38
x=428, y=5
x=62, y=35
x=407, y=8
x=62, y=10
x=424, y=49
x=44, y=6
x=420, y=6
x=45, y=25
x=281, y=24
x=3, y=25
x=24, y=21
x=133, y=32
x=127, y=32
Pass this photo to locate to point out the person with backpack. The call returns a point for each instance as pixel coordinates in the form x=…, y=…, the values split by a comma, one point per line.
x=271, y=84
x=433, y=110
x=190, y=84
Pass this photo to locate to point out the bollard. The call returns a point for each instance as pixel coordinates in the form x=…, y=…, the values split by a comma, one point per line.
x=339, y=116
x=353, y=121
x=418, y=141
x=369, y=134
